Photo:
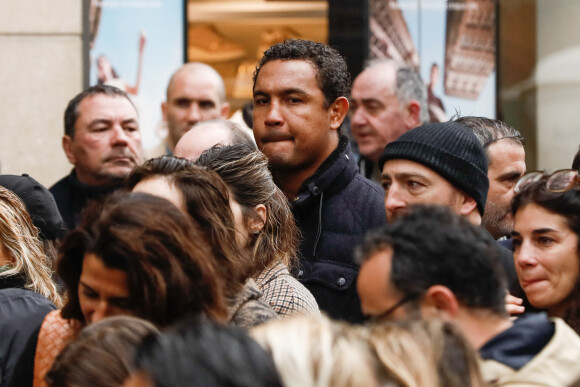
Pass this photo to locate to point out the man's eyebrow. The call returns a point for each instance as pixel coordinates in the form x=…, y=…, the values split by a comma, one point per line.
x=100, y=121
x=510, y=175
x=407, y=175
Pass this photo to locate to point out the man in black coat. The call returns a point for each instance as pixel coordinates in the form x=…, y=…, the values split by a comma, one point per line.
x=300, y=101
x=103, y=141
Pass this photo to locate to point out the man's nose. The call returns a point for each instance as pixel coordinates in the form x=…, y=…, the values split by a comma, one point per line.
x=119, y=136
x=394, y=199
x=358, y=117
x=194, y=114
x=274, y=116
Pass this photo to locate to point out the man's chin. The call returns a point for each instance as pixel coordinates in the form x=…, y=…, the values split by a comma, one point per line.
x=115, y=176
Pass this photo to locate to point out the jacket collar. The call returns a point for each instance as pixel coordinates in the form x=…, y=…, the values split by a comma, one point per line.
x=333, y=174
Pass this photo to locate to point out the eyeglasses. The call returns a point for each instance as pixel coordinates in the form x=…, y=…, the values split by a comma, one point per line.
x=388, y=312
x=559, y=181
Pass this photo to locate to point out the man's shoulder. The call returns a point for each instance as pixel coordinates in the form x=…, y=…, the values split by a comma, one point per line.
x=62, y=185
x=364, y=195
x=524, y=353
x=62, y=190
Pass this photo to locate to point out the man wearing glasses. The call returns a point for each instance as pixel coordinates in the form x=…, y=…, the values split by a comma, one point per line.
x=431, y=263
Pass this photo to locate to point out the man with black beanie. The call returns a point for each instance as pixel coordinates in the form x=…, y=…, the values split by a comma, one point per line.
x=440, y=163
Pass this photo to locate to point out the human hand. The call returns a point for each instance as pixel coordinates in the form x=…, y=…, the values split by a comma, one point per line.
x=513, y=305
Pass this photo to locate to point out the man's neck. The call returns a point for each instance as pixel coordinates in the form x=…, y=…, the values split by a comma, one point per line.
x=290, y=180
x=99, y=183
x=481, y=326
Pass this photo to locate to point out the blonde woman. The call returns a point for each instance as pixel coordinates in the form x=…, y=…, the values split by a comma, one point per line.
x=318, y=352
x=27, y=292
x=23, y=263
x=422, y=353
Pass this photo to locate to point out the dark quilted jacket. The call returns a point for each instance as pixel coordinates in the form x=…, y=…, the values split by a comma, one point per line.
x=334, y=210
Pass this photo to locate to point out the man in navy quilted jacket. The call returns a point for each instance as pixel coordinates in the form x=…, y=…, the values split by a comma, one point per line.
x=300, y=101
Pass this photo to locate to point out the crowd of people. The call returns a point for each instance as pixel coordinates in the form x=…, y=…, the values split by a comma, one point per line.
x=292, y=254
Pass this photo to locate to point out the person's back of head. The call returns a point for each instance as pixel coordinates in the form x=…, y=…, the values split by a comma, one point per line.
x=42, y=209
x=321, y=352
x=423, y=353
x=101, y=355
x=431, y=246
x=204, y=353
x=206, y=134
x=206, y=200
x=245, y=171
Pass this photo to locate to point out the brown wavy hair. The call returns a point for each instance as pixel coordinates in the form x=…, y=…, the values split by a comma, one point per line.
x=163, y=253
x=246, y=173
x=206, y=200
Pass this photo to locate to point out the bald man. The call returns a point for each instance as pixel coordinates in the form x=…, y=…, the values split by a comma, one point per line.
x=195, y=93
x=206, y=134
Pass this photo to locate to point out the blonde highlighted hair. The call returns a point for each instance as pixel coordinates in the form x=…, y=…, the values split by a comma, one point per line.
x=20, y=241
x=423, y=353
x=317, y=352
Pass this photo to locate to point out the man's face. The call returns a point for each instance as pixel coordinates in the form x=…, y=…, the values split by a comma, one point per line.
x=376, y=115
x=107, y=140
x=291, y=125
x=406, y=182
x=508, y=164
x=377, y=294
x=192, y=97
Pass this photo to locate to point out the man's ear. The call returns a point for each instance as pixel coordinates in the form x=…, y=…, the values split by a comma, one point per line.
x=338, y=111
x=225, y=110
x=256, y=225
x=467, y=204
x=67, y=144
x=164, y=110
x=440, y=301
x=412, y=115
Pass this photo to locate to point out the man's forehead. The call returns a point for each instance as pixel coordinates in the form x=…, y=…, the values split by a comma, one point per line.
x=402, y=167
x=284, y=69
x=98, y=105
x=196, y=82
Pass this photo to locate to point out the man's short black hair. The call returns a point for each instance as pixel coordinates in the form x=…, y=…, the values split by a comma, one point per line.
x=204, y=353
x=433, y=246
x=71, y=113
x=331, y=69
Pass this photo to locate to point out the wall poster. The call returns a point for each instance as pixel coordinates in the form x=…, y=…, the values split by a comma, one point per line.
x=136, y=45
x=452, y=43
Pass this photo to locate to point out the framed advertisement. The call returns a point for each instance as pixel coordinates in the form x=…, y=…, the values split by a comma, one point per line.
x=136, y=45
x=452, y=43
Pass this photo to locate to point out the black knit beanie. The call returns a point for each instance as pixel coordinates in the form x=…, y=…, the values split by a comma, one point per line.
x=451, y=150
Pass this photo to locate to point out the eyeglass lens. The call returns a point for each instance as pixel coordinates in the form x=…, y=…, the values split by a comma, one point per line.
x=527, y=180
x=561, y=180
